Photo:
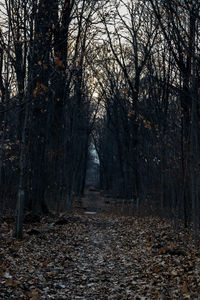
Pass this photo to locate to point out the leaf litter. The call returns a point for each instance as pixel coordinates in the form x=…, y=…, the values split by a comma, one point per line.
x=101, y=256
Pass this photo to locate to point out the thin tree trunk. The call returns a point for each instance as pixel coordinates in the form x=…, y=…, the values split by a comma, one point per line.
x=21, y=192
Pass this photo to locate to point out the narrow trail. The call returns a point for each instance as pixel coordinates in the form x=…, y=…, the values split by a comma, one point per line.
x=98, y=254
x=94, y=201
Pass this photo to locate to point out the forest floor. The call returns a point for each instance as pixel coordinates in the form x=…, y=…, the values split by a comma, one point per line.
x=97, y=253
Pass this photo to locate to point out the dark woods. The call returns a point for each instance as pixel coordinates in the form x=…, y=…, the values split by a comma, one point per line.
x=122, y=75
x=47, y=115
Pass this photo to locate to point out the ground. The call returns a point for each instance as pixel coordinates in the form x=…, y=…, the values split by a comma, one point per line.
x=97, y=252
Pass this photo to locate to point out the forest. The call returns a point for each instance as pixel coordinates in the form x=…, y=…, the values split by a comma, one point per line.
x=118, y=76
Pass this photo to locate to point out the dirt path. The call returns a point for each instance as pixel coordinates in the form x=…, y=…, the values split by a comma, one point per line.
x=95, y=201
x=98, y=256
